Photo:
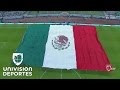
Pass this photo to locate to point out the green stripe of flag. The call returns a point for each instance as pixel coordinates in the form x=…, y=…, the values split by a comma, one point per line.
x=33, y=45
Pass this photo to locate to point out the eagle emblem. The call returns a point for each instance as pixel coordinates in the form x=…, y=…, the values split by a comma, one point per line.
x=60, y=42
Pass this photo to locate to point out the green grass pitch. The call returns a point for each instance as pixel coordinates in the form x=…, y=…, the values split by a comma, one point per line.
x=11, y=36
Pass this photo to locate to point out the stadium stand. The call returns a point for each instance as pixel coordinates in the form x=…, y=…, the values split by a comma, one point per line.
x=87, y=17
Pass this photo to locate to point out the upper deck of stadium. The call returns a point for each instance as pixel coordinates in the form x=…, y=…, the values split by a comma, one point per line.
x=84, y=17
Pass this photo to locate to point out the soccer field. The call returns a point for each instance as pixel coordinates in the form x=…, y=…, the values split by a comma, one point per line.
x=11, y=35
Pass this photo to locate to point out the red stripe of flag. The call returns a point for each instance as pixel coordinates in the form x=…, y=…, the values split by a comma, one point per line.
x=90, y=54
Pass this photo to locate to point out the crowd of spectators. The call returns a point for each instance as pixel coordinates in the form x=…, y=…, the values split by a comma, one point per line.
x=6, y=15
x=12, y=13
x=25, y=16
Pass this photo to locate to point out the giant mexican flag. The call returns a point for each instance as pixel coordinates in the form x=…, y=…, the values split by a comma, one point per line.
x=63, y=47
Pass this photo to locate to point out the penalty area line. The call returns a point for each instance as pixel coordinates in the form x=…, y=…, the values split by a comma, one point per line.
x=61, y=73
x=77, y=74
x=43, y=74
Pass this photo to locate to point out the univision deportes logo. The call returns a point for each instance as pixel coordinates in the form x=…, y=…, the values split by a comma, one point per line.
x=17, y=59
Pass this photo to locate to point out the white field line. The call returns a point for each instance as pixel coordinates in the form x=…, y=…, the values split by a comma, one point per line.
x=43, y=74
x=77, y=74
x=64, y=23
x=61, y=73
x=11, y=27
